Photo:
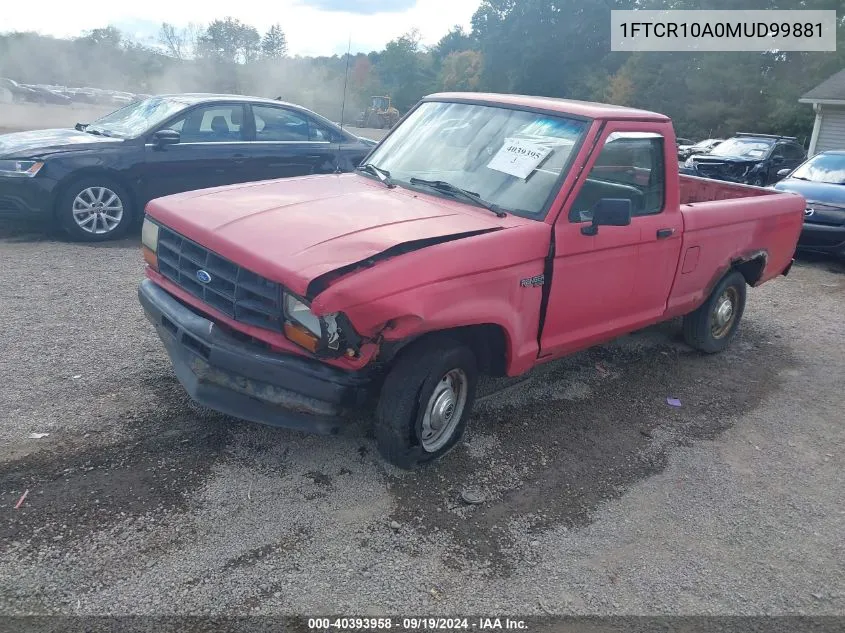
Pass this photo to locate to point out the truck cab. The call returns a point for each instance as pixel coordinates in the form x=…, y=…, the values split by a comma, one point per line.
x=485, y=234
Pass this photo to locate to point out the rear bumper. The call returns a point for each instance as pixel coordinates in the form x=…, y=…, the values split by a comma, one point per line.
x=822, y=238
x=245, y=380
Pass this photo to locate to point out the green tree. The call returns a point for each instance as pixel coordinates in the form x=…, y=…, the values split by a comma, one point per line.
x=274, y=45
x=461, y=71
x=229, y=40
x=455, y=41
x=109, y=37
x=406, y=71
x=548, y=48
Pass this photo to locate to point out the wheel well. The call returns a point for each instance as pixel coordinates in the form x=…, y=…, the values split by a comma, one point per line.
x=88, y=173
x=487, y=341
x=751, y=269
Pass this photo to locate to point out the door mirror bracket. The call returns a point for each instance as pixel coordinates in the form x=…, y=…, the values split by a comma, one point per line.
x=163, y=138
x=609, y=212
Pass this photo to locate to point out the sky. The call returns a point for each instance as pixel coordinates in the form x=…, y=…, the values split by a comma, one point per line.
x=312, y=27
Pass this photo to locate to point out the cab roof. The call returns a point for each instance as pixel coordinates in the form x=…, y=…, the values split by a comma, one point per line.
x=587, y=109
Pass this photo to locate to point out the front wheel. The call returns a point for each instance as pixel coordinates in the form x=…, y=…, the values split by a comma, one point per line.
x=425, y=402
x=95, y=209
x=712, y=326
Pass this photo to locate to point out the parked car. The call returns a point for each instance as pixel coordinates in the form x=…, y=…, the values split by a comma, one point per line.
x=821, y=180
x=95, y=179
x=43, y=94
x=536, y=228
x=753, y=159
x=683, y=141
x=11, y=91
x=702, y=147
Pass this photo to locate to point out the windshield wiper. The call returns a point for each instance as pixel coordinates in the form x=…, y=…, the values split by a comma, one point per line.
x=378, y=172
x=448, y=187
x=98, y=132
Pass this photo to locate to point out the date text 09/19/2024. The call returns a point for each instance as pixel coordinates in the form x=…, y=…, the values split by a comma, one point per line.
x=416, y=624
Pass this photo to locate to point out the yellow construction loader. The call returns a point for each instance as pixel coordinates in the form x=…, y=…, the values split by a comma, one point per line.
x=380, y=115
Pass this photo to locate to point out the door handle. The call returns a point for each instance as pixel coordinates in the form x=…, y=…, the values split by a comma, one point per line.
x=662, y=234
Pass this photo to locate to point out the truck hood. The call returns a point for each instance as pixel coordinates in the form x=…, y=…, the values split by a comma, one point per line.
x=708, y=158
x=293, y=231
x=36, y=142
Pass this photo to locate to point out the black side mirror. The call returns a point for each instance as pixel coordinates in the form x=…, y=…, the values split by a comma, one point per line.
x=80, y=127
x=783, y=173
x=166, y=137
x=609, y=212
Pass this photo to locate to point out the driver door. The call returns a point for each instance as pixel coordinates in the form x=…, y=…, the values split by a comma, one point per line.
x=212, y=151
x=785, y=156
x=618, y=279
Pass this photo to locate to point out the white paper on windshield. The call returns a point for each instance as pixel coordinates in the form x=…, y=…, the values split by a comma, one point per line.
x=519, y=157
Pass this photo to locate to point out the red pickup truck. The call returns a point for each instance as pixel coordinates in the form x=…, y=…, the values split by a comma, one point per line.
x=485, y=234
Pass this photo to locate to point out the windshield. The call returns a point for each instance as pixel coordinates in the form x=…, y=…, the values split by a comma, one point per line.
x=747, y=147
x=510, y=158
x=136, y=118
x=828, y=168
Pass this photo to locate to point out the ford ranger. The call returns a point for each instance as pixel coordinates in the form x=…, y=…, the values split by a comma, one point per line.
x=485, y=234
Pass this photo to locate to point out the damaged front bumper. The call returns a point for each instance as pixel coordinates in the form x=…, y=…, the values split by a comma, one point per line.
x=245, y=380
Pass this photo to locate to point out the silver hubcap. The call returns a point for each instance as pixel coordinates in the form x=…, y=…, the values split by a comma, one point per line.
x=444, y=410
x=97, y=210
x=724, y=312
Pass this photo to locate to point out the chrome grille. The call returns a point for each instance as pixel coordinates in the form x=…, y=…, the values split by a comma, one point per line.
x=231, y=289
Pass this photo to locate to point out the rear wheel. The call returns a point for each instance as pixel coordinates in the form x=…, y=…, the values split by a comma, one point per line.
x=712, y=326
x=95, y=209
x=425, y=402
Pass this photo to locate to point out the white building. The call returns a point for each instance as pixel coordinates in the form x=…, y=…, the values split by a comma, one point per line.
x=828, y=99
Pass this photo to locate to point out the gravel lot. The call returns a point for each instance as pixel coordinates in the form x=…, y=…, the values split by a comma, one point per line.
x=600, y=498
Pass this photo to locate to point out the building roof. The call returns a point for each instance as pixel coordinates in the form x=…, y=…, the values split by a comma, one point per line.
x=586, y=109
x=831, y=89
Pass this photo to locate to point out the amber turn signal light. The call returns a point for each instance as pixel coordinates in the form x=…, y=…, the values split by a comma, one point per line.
x=301, y=337
x=150, y=257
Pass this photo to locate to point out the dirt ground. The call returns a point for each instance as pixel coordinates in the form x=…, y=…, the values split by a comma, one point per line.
x=599, y=497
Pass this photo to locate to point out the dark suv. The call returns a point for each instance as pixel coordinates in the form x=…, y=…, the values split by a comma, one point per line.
x=753, y=159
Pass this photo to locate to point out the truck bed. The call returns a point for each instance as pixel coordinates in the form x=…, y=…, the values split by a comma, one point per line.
x=725, y=223
x=694, y=189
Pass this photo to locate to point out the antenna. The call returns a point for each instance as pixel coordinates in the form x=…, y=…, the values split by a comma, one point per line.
x=343, y=103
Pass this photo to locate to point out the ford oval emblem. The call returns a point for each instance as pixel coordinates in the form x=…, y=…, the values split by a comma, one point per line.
x=203, y=277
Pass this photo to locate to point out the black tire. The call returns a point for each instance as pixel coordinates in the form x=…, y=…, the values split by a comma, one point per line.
x=65, y=209
x=405, y=396
x=704, y=329
x=759, y=181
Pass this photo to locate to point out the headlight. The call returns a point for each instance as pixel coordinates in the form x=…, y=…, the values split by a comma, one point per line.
x=20, y=168
x=149, y=235
x=149, y=242
x=306, y=329
x=689, y=163
x=298, y=312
